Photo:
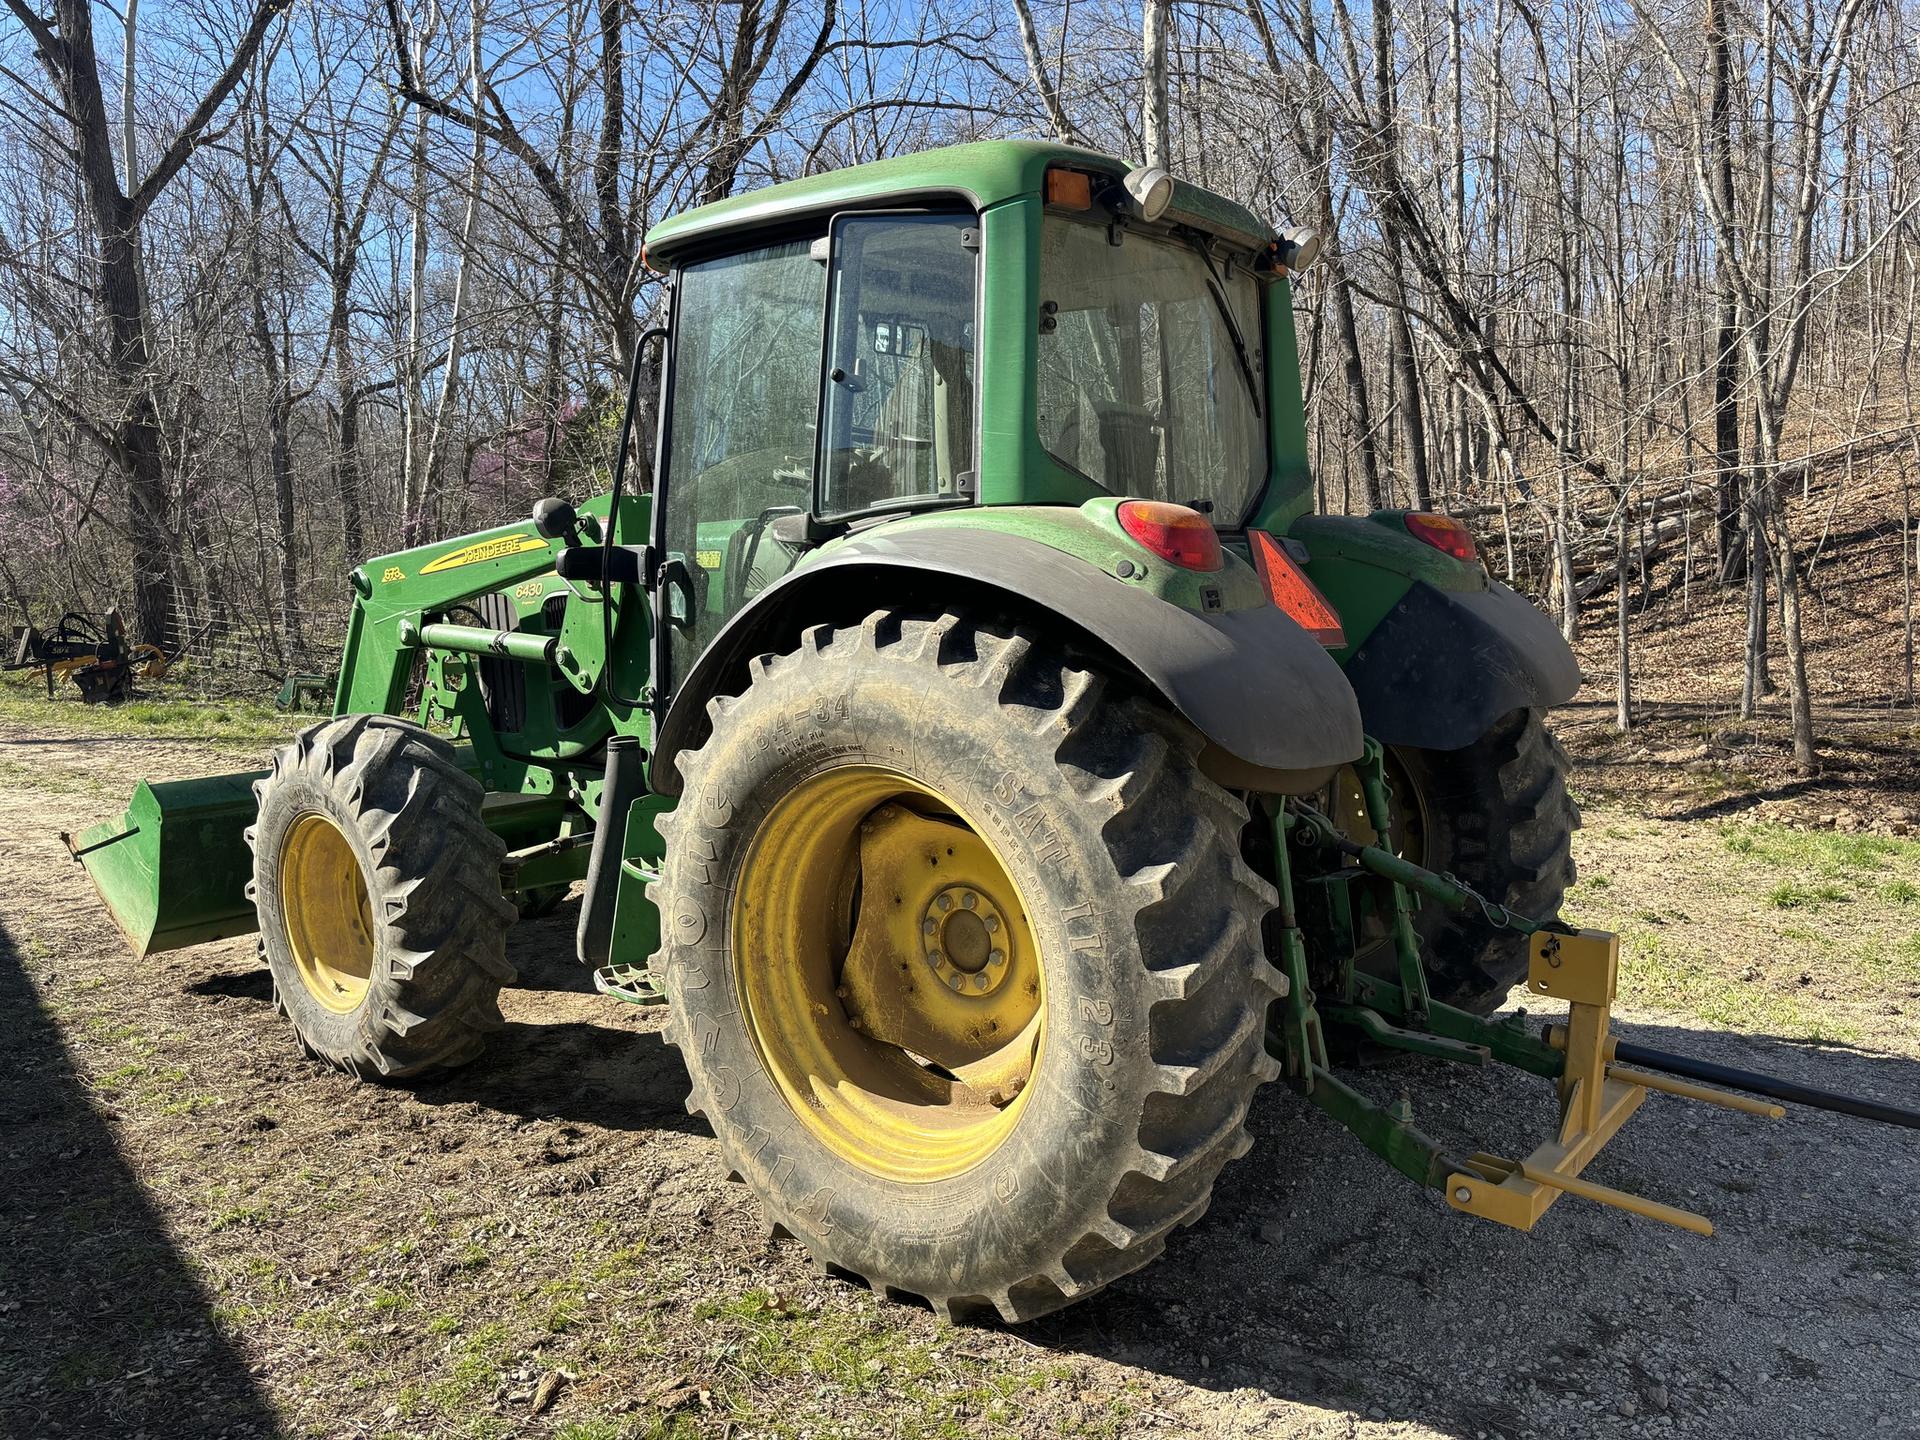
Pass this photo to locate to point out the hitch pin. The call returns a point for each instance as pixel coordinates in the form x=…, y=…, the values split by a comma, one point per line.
x=1556, y=1036
x=1647, y=1080
x=1619, y=1199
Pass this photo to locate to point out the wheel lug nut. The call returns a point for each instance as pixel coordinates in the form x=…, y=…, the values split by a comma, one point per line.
x=841, y=991
x=957, y=981
x=967, y=900
x=993, y=922
x=945, y=902
x=929, y=927
x=856, y=1022
x=997, y=957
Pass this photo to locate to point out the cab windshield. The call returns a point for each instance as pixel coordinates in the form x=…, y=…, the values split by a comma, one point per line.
x=1143, y=388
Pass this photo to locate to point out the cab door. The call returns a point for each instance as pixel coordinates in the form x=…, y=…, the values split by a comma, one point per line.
x=832, y=377
x=742, y=407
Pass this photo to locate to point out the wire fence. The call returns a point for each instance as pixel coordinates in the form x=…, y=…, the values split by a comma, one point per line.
x=231, y=650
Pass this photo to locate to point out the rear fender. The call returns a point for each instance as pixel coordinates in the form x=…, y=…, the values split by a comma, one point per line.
x=1445, y=664
x=1436, y=649
x=1273, y=706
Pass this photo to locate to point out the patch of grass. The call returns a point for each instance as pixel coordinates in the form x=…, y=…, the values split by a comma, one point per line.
x=596, y=1428
x=109, y=1031
x=49, y=780
x=321, y=1320
x=1661, y=972
x=616, y=1264
x=237, y=1317
x=120, y=1079
x=191, y=1103
x=385, y=1302
x=1828, y=853
x=166, y=711
x=443, y=1324
x=1893, y=962
x=267, y=1276
x=565, y=1305
x=478, y=1362
x=238, y=1216
x=1788, y=895
x=1900, y=892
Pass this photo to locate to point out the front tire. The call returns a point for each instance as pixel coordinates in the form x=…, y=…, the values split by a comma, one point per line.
x=996, y=1125
x=378, y=891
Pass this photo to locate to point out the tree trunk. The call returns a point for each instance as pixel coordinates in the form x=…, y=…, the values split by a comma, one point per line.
x=1622, y=646
x=346, y=450
x=1728, y=539
x=116, y=229
x=1799, y=699
x=1154, y=121
x=1401, y=359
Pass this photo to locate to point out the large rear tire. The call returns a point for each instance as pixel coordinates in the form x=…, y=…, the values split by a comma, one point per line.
x=378, y=891
x=1495, y=814
x=964, y=962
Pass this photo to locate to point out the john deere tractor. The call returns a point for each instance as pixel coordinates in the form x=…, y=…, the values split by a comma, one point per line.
x=973, y=739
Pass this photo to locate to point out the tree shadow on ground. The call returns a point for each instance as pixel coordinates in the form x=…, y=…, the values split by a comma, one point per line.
x=104, y=1329
x=1320, y=1277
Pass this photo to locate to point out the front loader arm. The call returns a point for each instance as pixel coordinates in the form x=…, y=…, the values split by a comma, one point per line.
x=398, y=591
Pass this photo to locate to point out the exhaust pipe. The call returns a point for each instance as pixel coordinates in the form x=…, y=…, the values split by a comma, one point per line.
x=625, y=782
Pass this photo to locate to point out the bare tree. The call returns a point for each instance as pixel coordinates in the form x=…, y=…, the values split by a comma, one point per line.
x=64, y=45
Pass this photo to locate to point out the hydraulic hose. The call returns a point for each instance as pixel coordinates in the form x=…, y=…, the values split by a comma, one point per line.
x=1771, y=1086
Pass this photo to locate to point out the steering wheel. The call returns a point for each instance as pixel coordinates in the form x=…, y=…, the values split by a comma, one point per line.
x=744, y=547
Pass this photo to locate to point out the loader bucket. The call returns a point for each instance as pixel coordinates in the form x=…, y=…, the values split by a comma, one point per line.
x=174, y=868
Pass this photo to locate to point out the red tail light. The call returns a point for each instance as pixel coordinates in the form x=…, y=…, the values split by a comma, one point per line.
x=1177, y=534
x=1289, y=588
x=1443, y=532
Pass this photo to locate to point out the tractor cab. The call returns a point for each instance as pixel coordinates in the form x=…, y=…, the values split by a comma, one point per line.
x=1025, y=325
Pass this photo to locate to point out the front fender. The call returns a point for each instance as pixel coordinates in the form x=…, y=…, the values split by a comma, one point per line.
x=1443, y=665
x=1273, y=705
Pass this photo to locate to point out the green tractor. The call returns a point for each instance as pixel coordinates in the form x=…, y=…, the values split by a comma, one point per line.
x=974, y=739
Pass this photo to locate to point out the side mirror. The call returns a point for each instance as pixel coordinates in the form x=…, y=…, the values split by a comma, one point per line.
x=555, y=519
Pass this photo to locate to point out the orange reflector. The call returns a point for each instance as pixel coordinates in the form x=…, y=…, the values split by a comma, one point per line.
x=1289, y=588
x=1070, y=189
x=1178, y=534
x=1444, y=533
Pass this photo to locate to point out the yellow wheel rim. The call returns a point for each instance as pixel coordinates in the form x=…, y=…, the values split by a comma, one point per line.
x=1349, y=810
x=325, y=913
x=888, y=973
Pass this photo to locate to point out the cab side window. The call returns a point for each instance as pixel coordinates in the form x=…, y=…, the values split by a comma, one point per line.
x=746, y=386
x=899, y=410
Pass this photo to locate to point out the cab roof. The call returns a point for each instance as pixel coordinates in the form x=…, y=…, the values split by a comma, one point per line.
x=985, y=173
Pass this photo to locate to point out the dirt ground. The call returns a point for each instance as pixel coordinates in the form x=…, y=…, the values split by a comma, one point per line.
x=208, y=1235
